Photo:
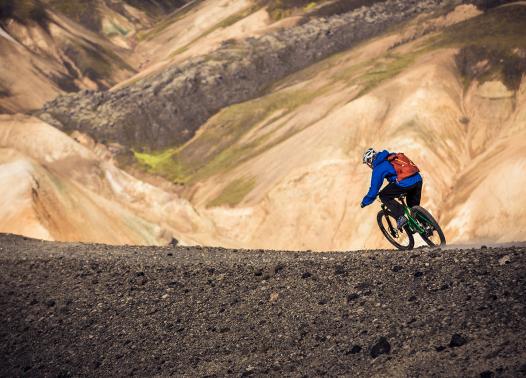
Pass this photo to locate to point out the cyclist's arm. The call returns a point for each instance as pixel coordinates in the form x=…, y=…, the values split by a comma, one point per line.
x=377, y=178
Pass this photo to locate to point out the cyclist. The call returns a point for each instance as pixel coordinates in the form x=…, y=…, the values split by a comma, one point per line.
x=384, y=169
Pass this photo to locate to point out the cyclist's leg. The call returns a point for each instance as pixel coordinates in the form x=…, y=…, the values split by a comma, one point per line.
x=387, y=196
x=414, y=194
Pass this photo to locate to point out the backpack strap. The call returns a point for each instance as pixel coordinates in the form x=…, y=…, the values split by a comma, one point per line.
x=391, y=157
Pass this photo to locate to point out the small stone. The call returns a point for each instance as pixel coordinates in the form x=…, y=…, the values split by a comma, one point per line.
x=274, y=297
x=351, y=297
x=50, y=303
x=483, y=247
x=174, y=242
x=306, y=275
x=440, y=348
x=504, y=260
x=396, y=268
x=164, y=296
x=339, y=270
x=418, y=274
x=457, y=341
x=487, y=374
x=355, y=349
x=382, y=346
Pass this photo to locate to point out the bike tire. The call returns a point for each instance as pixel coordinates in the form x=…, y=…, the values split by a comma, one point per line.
x=423, y=216
x=388, y=233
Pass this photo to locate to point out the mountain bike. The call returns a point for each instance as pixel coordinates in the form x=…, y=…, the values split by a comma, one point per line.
x=419, y=221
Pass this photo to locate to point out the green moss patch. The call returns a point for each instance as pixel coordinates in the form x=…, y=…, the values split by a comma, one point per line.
x=233, y=193
x=165, y=164
x=217, y=148
x=386, y=69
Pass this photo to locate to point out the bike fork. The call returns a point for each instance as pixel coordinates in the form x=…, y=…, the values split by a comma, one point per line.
x=391, y=228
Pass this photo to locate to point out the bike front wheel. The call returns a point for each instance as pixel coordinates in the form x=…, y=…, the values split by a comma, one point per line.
x=433, y=235
x=401, y=239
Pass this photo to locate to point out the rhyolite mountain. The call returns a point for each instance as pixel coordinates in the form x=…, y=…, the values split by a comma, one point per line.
x=242, y=123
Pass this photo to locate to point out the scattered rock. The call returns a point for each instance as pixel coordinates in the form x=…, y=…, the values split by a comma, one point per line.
x=382, y=346
x=306, y=275
x=174, y=242
x=339, y=270
x=278, y=268
x=487, y=374
x=355, y=349
x=504, y=260
x=159, y=327
x=351, y=297
x=457, y=340
x=396, y=268
x=50, y=302
x=418, y=274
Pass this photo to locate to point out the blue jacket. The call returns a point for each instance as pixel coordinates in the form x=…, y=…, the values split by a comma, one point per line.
x=382, y=169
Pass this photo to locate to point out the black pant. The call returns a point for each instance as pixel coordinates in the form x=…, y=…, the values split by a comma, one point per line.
x=392, y=191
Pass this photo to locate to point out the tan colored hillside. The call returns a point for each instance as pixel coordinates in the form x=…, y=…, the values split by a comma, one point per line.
x=282, y=170
x=56, y=188
x=53, y=47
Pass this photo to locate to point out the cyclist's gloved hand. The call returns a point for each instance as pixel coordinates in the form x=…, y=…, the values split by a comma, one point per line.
x=362, y=205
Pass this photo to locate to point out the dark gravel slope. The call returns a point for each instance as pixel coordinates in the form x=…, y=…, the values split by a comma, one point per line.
x=73, y=309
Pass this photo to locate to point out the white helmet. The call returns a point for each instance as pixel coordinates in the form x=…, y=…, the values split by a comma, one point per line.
x=368, y=157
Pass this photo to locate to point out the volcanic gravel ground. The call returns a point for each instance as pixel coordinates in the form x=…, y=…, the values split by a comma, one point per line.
x=80, y=309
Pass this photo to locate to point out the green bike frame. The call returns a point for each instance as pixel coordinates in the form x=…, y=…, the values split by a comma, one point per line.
x=413, y=224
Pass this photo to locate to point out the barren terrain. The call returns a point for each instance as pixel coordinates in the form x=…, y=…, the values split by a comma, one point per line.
x=84, y=309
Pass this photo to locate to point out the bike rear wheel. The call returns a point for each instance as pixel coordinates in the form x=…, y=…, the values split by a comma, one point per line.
x=401, y=239
x=433, y=235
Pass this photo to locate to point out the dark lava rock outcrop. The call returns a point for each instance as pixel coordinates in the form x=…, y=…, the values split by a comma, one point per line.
x=79, y=309
x=167, y=108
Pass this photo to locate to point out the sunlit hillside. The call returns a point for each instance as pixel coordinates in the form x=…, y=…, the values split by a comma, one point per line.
x=242, y=123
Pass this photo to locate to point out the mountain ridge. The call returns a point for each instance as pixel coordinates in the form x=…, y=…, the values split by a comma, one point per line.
x=168, y=99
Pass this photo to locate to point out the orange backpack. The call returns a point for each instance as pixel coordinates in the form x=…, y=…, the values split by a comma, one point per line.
x=403, y=166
